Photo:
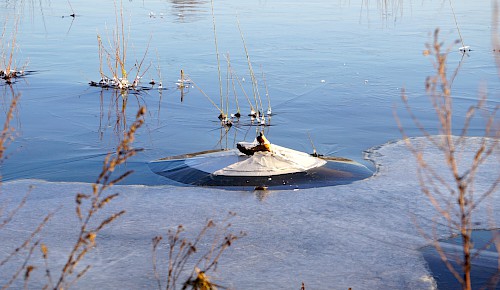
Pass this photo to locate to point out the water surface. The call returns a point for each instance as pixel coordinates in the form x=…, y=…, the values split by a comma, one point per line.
x=334, y=72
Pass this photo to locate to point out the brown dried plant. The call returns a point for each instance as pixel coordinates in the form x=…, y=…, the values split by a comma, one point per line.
x=115, y=56
x=200, y=255
x=455, y=200
x=88, y=205
x=18, y=258
x=8, y=48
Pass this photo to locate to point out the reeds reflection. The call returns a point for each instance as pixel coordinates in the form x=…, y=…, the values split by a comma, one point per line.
x=9, y=106
x=189, y=10
x=386, y=9
x=115, y=116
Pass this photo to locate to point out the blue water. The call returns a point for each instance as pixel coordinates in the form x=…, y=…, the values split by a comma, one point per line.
x=334, y=72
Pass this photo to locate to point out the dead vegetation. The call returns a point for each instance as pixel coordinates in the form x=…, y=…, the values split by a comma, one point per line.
x=114, y=69
x=451, y=187
x=190, y=260
x=87, y=208
x=17, y=260
x=9, y=68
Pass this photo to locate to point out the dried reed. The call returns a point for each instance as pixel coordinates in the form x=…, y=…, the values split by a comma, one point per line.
x=217, y=54
x=455, y=200
x=115, y=57
x=255, y=86
x=88, y=205
x=24, y=251
x=8, y=48
x=183, y=253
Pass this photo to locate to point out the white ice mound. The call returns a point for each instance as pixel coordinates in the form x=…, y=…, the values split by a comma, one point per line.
x=280, y=160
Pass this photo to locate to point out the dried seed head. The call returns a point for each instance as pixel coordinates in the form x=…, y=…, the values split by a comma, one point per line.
x=45, y=250
x=29, y=269
x=91, y=237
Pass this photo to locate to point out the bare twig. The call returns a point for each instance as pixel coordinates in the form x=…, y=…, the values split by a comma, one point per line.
x=454, y=200
x=94, y=202
x=181, y=252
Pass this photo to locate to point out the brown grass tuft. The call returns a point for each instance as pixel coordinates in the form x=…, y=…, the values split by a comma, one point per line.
x=88, y=205
x=182, y=253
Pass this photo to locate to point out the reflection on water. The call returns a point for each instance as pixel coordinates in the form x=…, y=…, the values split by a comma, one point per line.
x=189, y=10
x=389, y=9
x=9, y=107
x=115, y=111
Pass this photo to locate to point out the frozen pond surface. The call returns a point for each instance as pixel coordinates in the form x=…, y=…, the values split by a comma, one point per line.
x=362, y=235
x=334, y=71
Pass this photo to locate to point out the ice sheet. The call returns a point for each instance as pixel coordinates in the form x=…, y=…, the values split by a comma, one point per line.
x=362, y=235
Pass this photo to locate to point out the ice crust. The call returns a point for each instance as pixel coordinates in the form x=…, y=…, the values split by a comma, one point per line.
x=363, y=235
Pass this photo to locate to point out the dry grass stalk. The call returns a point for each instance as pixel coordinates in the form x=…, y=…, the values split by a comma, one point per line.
x=88, y=205
x=255, y=86
x=8, y=48
x=454, y=200
x=115, y=57
x=183, y=253
x=217, y=54
x=183, y=78
x=24, y=251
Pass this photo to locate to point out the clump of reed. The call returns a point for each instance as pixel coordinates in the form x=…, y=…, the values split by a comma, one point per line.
x=189, y=261
x=9, y=69
x=455, y=199
x=117, y=75
x=257, y=115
